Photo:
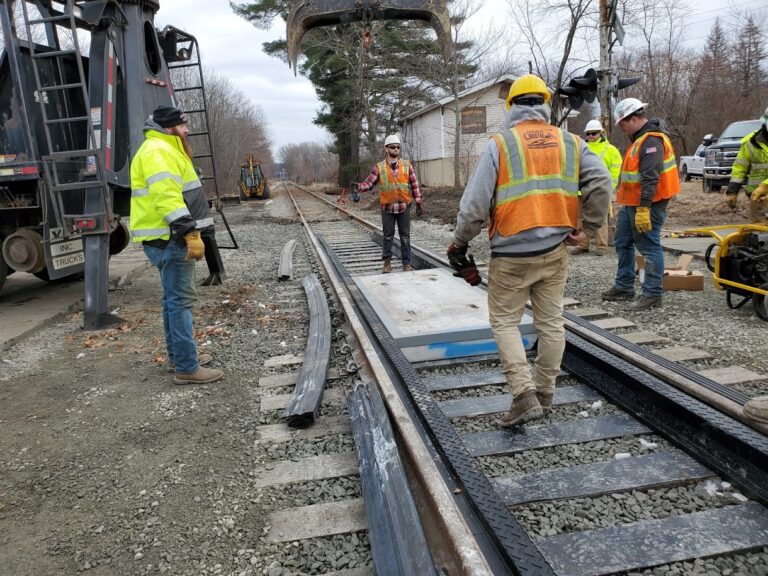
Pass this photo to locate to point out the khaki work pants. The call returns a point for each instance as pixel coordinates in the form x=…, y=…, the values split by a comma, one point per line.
x=511, y=282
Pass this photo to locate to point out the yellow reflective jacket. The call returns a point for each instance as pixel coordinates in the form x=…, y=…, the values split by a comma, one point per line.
x=610, y=156
x=160, y=171
x=751, y=166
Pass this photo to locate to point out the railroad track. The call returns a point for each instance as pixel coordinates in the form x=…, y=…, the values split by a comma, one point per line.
x=641, y=463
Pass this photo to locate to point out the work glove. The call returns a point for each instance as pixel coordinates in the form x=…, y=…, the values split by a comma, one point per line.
x=643, y=219
x=419, y=206
x=355, y=194
x=760, y=194
x=730, y=201
x=463, y=264
x=195, y=246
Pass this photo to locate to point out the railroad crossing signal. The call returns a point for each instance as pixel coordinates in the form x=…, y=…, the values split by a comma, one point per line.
x=586, y=88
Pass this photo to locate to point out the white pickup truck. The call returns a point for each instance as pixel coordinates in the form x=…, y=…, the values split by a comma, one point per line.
x=691, y=166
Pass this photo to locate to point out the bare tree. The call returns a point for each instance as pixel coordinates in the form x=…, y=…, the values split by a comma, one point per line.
x=308, y=162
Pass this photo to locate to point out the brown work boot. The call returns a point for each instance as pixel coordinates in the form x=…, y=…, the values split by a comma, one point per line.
x=202, y=360
x=407, y=268
x=202, y=376
x=757, y=409
x=617, y=294
x=387, y=267
x=600, y=250
x=545, y=400
x=524, y=408
x=644, y=303
x=576, y=250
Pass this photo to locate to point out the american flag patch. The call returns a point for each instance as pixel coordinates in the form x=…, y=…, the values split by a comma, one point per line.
x=650, y=150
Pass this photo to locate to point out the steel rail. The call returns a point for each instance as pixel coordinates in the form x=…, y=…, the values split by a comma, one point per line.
x=398, y=542
x=447, y=529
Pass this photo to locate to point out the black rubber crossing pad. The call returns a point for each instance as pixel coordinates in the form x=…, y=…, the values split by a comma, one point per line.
x=466, y=380
x=652, y=543
x=651, y=470
x=531, y=437
x=483, y=405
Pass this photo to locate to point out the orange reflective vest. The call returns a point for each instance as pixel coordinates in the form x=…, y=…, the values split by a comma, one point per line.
x=538, y=180
x=394, y=187
x=629, y=184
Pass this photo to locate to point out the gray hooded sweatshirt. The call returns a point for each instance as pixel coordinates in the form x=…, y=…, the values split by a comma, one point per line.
x=475, y=206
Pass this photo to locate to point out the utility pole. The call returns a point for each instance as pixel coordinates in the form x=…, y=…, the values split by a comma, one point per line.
x=604, y=72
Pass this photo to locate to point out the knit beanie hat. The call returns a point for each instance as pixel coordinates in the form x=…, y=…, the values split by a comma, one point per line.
x=168, y=116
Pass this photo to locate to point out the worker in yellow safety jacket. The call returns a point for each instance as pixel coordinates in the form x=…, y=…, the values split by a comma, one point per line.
x=533, y=180
x=750, y=170
x=598, y=143
x=648, y=180
x=168, y=227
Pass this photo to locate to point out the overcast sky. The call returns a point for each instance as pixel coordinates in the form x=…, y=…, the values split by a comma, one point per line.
x=232, y=47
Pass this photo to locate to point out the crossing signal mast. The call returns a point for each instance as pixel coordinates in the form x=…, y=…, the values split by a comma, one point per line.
x=604, y=82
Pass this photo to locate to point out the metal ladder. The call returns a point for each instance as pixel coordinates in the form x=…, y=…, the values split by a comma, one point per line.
x=74, y=173
x=198, y=86
x=62, y=152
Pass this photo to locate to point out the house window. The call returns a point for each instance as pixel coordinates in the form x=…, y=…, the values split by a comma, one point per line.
x=504, y=90
x=473, y=120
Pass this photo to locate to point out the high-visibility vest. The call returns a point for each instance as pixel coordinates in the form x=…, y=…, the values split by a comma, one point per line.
x=161, y=173
x=629, y=185
x=610, y=156
x=751, y=165
x=394, y=186
x=538, y=180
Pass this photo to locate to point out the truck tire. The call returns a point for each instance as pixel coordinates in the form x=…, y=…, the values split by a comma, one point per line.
x=684, y=176
x=707, y=186
x=3, y=271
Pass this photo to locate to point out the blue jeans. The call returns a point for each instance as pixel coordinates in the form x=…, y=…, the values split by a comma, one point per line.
x=177, y=277
x=403, y=222
x=627, y=238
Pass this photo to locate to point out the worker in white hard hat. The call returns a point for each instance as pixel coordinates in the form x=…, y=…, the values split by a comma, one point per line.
x=532, y=180
x=398, y=189
x=750, y=170
x=648, y=180
x=594, y=134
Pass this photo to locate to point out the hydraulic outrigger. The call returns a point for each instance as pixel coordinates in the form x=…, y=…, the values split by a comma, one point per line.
x=310, y=14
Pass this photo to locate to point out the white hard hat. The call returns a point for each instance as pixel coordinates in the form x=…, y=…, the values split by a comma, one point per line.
x=765, y=117
x=391, y=139
x=593, y=126
x=627, y=107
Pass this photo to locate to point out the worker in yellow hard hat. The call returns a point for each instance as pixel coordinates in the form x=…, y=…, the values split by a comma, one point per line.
x=536, y=179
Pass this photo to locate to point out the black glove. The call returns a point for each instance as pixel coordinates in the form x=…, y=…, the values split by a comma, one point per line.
x=355, y=193
x=733, y=189
x=463, y=264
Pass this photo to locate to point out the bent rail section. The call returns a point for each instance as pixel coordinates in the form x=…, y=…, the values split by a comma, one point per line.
x=285, y=269
x=304, y=407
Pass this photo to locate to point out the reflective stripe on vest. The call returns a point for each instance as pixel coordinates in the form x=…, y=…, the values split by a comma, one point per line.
x=538, y=180
x=394, y=187
x=629, y=185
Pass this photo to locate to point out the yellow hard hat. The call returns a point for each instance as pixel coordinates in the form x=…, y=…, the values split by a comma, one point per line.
x=528, y=84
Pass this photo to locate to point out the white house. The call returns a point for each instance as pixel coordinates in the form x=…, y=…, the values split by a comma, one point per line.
x=429, y=134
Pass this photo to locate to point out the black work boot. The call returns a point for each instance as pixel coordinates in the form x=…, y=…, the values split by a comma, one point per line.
x=524, y=408
x=614, y=294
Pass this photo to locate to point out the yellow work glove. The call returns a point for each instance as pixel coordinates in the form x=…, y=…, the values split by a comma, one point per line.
x=195, y=246
x=731, y=201
x=760, y=194
x=643, y=219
